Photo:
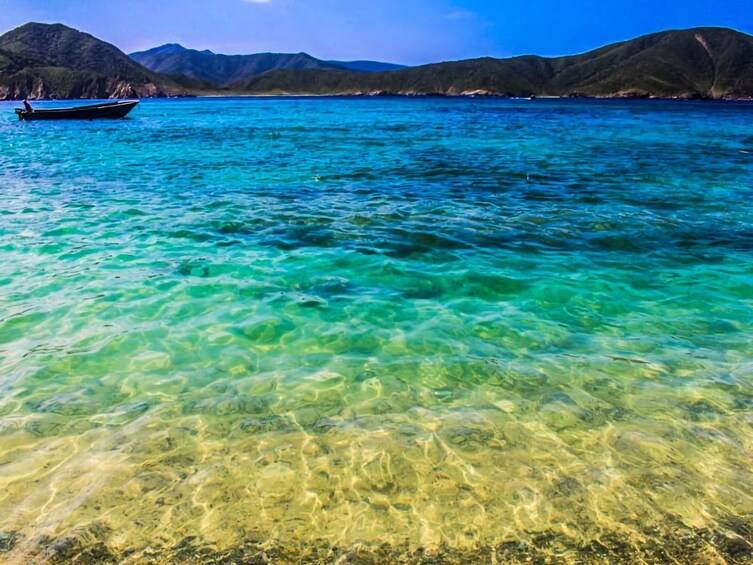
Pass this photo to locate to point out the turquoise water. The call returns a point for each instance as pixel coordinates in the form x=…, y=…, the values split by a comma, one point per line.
x=378, y=325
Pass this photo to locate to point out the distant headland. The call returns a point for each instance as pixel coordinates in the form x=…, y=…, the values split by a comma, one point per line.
x=53, y=61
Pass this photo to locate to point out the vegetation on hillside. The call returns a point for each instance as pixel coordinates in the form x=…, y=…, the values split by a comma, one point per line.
x=54, y=61
x=696, y=63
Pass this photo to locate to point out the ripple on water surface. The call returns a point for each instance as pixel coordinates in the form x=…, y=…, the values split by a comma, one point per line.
x=302, y=329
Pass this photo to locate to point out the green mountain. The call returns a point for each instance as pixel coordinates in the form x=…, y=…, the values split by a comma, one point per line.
x=54, y=61
x=222, y=69
x=696, y=63
x=225, y=69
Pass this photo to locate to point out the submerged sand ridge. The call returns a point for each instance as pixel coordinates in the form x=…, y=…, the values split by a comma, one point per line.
x=448, y=475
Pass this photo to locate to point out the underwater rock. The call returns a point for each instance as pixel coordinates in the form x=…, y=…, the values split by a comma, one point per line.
x=308, y=301
x=8, y=541
x=267, y=330
x=194, y=269
x=267, y=424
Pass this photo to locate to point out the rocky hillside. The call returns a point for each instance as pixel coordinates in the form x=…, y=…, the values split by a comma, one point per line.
x=54, y=61
x=42, y=61
x=709, y=63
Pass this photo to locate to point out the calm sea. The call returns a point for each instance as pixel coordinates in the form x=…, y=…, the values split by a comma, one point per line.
x=423, y=329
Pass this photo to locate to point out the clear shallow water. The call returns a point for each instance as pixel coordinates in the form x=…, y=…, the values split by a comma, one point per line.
x=435, y=324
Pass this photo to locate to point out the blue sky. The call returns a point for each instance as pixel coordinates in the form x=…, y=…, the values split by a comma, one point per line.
x=403, y=31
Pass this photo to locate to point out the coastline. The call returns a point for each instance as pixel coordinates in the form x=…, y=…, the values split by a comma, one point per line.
x=676, y=544
x=400, y=95
x=701, y=63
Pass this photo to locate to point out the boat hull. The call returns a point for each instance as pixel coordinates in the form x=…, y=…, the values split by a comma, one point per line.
x=108, y=111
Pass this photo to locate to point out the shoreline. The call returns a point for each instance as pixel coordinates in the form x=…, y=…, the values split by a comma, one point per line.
x=471, y=96
x=677, y=544
x=462, y=96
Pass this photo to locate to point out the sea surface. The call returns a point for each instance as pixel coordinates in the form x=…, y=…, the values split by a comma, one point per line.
x=436, y=330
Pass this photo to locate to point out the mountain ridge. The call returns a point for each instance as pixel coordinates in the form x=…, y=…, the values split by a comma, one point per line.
x=366, y=66
x=173, y=58
x=221, y=69
x=704, y=63
x=55, y=61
